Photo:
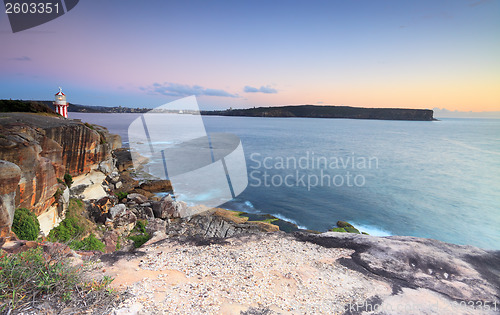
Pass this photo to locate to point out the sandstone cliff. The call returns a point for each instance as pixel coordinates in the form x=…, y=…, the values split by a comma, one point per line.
x=45, y=148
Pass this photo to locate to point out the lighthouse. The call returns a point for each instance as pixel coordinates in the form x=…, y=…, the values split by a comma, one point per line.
x=60, y=105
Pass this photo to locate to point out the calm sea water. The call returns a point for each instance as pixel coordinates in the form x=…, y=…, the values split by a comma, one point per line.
x=429, y=179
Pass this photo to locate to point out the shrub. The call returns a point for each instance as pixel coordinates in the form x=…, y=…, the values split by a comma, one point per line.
x=139, y=239
x=25, y=224
x=58, y=194
x=141, y=236
x=68, y=179
x=67, y=230
x=121, y=195
x=30, y=278
x=88, y=243
x=29, y=274
x=140, y=226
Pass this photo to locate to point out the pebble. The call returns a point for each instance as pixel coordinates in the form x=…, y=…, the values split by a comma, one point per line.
x=272, y=272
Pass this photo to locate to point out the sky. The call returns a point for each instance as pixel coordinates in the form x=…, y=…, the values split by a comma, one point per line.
x=240, y=54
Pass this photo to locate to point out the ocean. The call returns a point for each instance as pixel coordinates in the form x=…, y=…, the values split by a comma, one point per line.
x=432, y=179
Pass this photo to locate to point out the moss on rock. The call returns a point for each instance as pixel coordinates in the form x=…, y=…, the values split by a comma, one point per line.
x=338, y=229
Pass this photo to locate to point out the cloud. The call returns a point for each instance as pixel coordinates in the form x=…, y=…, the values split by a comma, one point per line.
x=480, y=2
x=182, y=90
x=23, y=58
x=263, y=89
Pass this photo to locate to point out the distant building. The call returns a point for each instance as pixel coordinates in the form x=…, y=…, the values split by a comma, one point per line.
x=60, y=105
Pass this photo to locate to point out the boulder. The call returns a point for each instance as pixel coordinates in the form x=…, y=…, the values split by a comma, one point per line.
x=117, y=210
x=123, y=159
x=110, y=239
x=89, y=186
x=165, y=208
x=125, y=222
x=137, y=198
x=156, y=186
x=98, y=209
x=156, y=224
x=107, y=166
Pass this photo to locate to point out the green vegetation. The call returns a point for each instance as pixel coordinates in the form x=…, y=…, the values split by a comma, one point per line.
x=74, y=227
x=58, y=194
x=346, y=227
x=118, y=243
x=140, y=226
x=351, y=230
x=139, y=239
x=88, y=243
x=344, y=224
x=25, y=106
x=338, y=230
x=30, y=278
x=68, y=230
x=139, y=234
x=121, y=195
x=89, y=125
x=68, y=179
x=270, y=220
x=25, y=224
x=239, y=214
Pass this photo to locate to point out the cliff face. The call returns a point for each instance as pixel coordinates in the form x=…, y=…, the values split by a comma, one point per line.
x=45, y=148
x=10, y=176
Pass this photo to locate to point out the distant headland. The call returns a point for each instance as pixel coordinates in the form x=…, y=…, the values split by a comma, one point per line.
x=304, y=111
x=313, y=111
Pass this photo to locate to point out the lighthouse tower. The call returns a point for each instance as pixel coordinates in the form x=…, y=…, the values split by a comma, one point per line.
x=60, y=105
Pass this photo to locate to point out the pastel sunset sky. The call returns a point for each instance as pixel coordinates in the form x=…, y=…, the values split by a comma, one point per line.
x=409, y=54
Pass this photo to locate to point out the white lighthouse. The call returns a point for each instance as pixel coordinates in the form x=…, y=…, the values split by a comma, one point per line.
x=60, y=105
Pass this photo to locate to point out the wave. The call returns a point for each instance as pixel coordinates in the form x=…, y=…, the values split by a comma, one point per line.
x=370, y=229
x=282, y=217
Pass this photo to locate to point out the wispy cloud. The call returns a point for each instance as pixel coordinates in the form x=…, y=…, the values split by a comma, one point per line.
x=263, y=89
x=480, y=2
x=182, y=90
x=23, y=58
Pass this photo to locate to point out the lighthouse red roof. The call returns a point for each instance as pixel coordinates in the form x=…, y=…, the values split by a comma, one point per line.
x=60, y=92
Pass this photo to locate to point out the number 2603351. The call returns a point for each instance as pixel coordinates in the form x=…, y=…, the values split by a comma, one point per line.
x=32, y=8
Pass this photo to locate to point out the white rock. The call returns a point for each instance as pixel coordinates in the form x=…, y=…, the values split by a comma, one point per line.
x=117, y=210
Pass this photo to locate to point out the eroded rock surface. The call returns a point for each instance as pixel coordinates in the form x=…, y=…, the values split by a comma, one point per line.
x=10, y=174
x=464, y=273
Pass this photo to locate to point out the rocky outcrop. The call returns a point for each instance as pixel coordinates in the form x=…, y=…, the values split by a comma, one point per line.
x=10, y=174
x=156, y=186
x=45, y=148
x=463, y=273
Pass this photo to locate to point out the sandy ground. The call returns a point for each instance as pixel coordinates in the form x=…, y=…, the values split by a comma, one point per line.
x=269, y=273
x=277, y=274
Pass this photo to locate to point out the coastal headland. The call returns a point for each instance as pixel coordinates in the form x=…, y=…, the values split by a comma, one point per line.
x=324, y=111
x=168, y=257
